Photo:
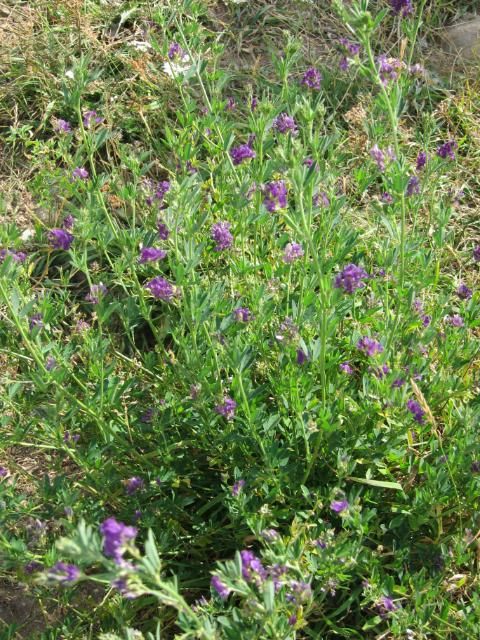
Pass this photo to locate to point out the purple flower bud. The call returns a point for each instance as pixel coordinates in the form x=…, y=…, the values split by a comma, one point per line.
x=220, y=233
x=345, y=367
x=231, y=104
x=388, y=68
x=447, y=149
x=293, y=251
x=60, y=239
x=161, y=289
x=284, y=123
x=36, y=321
x=237, y=487
x=464, y=292
x=62, y=126
x=68, y=222
x=254, y=103
x=378, y=156
x=241, y=153
x=351, y=278
x=3, y=472
x=339, y=505
x=226, y=408
x=421, y=160
x=163, y=231
x=352, y=48
x=221, y=588
x=116, y=537
x=402, y=8
x=151, y=254
x=416, y=410
x=243, y=314
x=91, y=118
x=252, y=568
x=275, y=196
x=455, y=320
x=133, y=484
x=369, y=346
x=312, y=78
x=97, y=292
x=413, y=186
x=50, y=363
x=302, y=357
x=64, y=573
x=80, y=173
x=386, y=198
x=476, y=253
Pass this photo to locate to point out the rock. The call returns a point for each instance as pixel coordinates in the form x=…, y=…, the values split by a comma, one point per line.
x=463, y=39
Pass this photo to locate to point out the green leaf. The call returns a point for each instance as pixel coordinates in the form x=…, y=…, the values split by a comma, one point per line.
x=384, y=484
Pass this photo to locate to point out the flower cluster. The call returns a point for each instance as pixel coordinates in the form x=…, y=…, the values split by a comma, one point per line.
x=275, y=196
x=221, y=235
x=351, y=278
x=116, y=538
x=161, y=289
x=241, y=153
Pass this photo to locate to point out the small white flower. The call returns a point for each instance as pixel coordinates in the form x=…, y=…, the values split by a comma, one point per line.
x=70, y=74
x=174, y=69
x=27, y=234
x=141, y=45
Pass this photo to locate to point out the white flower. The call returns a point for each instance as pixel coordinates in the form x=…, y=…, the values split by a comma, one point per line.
x=174, y=69
x=70, y=74
x=27, y=234
x=141, y=45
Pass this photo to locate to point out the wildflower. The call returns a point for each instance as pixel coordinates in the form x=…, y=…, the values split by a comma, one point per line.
x=97, y=291
x=16, y=256
x=71, y=437
x=68, y=222
x=351, y=278
x=293, y=251
x=221, y=588
x=221, y=235
x=416, y=410
x=116, y=537
x=344, y=64
x=254, y=103
x=292, y=620
x=3, y=472
x=175, y=52
x=243, y=314
x=321, y=196
x=426, y=319
x=231, y=104
x=301, y=591
x=369, y=347
x=284, y=123
x=60, y=239
x=91, y=118
x=353, y=48
x=163, y=231
x=402, y=8
x=447, y=149
x=50, y=363
x=398, y=382
x=252, y=568
x=455, y=320
x=226, y=408
x=133, y=484
x=345, y=367
x=302, y=357
x=388, y=68
x=241, y=153
x=381, y=372
x=386, y=198
x=270, y=535
x=288, y=331
x=122, y=586
x=464, y=292
x=62, y=126
x=237, y=487
x=33, y=566
x=416, y=70
x=151, y=254
x=160, y=289
x=378, y=156
x=36, y=321
x=476, y=253
x=339, y=506
x=413, y=186
x=275, y=196
x=64, y=573
x=80, y=173
x=156, y=191
x=312, y=78
x=421, y=160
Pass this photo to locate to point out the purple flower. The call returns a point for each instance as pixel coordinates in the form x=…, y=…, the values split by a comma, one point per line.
x=476, y=253
x=292, y=620
x=50, y=363
x=133, y=484
x=91, y=118
x=237, y=487
x=60, y=239
x=275, y=195
x=3, y=472
x=151, y=254
x=447, y=149
x=97, y=291
x=284, y=123
x=221, y=588
x=416, y=410
x=369, y=346
x=253, y=103
x=71, y=437
x=80, y=173
x=33, y=566
x=386, y=198
x=301, y=591
x=378, y=156
x=302, y=357
x=121, y=585
x=220, y=233
x=344, y=64
x=241, y=153
x=455, y=320
x=62, y=126
x=36, y=321
x=293, y=251
x=231, y=104
x=156, y=191
x=16, y=256
x=312, y=78
x=321, y=196
x=402, y=8
x=116, y=537
x=270, y=535
x=226, y=408
x=426, y=319
x=339, y=505
x=345, y=367
x=398, y=383
x=163, y=231
x=68, y=222
x=64, y=573
x=252, y=568
x=464, y=292
x=175, y=52
x=352, y=48
x=381, y=372
x=161, y=289
x=421, y=160
x=413, y=186
x=388, y=68
x=288, y=331
x=242, y=314
x=351, y=278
